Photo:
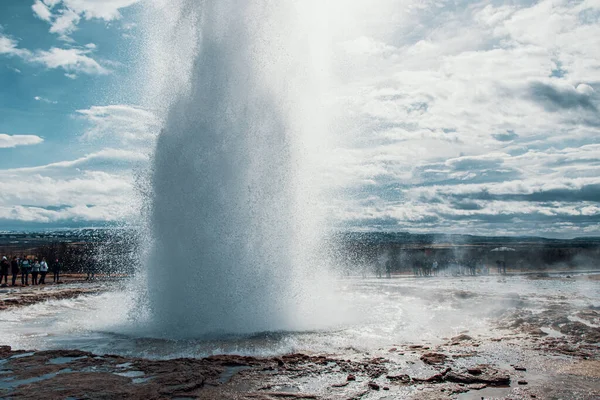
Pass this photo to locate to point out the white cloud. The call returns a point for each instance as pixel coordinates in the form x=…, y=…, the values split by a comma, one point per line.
x=41, y=11
x=106, y=159
x=44, y=100
x=96, y=187
x=123, y=124
x=9, y=46
x=9, y=141
x=107, y=10
x=65, y=15
x=468, y=116
x=73, y=60
x=65, y=23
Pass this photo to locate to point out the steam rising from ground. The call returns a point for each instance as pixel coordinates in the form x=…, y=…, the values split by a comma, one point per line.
x=234, y=220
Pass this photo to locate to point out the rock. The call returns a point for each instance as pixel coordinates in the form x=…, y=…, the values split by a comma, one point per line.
x=351, y=378
x=484, y=374
x=404, y=378
x=373, y=385
x=461, y=338
x=337, y=385
x=433, y=358
x=517, y=323
x=535, y=331
x=477, y=386
x=25, y=297
x=458, y=389
x=386, y=388
x=393, y=349
x=474, y=371
x=518, y=368
x=463, y=294
x=439, y=377
x=522, y=382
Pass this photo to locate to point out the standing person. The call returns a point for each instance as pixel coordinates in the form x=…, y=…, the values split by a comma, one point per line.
x=43, y=271
x=14, y=269
x=35, y=270
x=56, y=267
x=25, y=269
x=91, y=270
x=4, y=265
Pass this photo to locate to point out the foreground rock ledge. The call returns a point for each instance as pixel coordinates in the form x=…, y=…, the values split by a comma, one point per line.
x=60, y=374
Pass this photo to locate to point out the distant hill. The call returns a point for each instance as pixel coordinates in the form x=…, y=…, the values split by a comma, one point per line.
x=455, y=239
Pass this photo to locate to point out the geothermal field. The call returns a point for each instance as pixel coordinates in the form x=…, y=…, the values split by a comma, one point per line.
x=299, y=201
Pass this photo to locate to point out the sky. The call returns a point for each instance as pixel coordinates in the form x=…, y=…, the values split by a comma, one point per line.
x=445, y=116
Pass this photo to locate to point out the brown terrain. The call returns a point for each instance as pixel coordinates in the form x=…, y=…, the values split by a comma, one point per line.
x=21, y=295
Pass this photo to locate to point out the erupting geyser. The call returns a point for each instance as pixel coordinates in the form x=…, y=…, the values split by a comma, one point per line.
x=234, y=214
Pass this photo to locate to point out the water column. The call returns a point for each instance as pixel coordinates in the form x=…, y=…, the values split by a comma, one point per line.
x=233, y=217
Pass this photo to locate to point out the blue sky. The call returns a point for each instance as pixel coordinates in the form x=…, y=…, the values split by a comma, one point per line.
x=41, y=99
x=445, y=116
x=66, y=72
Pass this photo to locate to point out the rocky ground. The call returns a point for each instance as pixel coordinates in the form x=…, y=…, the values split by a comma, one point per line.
x=543, y=354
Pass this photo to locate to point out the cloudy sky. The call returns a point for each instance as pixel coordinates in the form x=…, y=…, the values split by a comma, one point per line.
x=461, y=116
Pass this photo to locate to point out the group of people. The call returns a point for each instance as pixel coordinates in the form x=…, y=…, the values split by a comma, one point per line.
x=36, y=267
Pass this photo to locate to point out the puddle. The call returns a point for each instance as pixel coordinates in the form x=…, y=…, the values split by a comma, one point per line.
x=141, y=380
x=551, y=332
x=10, y=383
x=131, y=374
x=22, y=355
x=230, y=372
x=583, y=321
x=486, y=393
x=64, y=360
x=286, y=389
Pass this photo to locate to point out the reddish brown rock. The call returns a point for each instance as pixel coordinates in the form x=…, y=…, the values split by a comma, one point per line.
x=433, y=358
x=461, y=338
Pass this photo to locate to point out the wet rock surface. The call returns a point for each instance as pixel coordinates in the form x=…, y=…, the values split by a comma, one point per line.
x=78, y=374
